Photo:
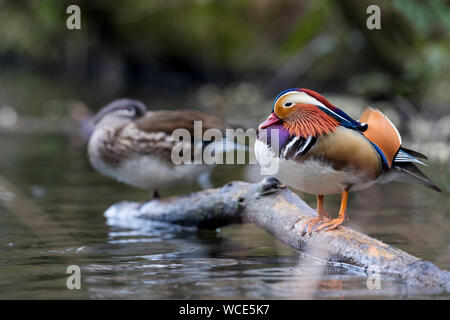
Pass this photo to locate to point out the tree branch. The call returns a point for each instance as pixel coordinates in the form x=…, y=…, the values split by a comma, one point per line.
x=276, y=210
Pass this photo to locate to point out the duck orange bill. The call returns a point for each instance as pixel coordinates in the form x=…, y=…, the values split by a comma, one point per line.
x=270, y=121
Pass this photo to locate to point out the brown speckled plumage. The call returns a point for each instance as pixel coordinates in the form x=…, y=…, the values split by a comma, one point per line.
x=126, y=142
x=135, y=146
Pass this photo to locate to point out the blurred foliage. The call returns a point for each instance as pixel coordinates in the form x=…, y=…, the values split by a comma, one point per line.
x=321, y=44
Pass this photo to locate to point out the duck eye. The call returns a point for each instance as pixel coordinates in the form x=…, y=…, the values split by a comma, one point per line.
x=288, y=104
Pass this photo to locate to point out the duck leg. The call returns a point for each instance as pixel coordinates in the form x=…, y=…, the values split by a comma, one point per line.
x=334, y=223
x=152, y=195
x=322, y=216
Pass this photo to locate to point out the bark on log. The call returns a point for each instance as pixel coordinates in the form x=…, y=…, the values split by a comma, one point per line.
x=276, y=210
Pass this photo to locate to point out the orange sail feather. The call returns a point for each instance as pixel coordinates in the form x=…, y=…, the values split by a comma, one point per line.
x=382, y=133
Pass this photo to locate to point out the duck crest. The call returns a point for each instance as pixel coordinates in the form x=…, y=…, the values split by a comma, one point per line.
x=310, y=121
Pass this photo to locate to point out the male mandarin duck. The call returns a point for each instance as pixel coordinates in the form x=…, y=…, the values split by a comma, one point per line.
x=134, y=145
x=321, y=150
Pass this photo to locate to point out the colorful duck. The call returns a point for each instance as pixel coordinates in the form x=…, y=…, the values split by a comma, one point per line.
x=321, y=150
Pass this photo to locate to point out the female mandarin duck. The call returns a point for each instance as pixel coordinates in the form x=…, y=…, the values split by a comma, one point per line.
x=134, y=145
x=321, y=150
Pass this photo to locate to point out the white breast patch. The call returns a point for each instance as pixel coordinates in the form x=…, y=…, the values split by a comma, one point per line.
x=311, y=176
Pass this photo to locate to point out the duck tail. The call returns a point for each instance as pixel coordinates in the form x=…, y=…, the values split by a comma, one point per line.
x=404, y=162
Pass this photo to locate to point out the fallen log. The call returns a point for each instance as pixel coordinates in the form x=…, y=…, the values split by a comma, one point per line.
x=276, y=210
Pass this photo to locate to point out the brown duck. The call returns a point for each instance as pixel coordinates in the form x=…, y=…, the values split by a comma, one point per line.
x=134, y=145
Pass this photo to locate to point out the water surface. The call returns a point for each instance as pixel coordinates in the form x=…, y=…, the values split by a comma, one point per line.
x=130, y=259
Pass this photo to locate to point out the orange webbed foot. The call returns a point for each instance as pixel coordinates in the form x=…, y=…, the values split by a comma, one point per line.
x=321, y=218
x=335, y=223
x=309, y=225
x=325, y=223
x=331, y=224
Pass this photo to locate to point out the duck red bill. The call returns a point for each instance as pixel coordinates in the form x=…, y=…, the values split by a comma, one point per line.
x=270, y=121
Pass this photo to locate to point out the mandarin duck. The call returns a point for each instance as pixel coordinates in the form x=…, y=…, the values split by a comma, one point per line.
x=319, y=149
x=134, y=145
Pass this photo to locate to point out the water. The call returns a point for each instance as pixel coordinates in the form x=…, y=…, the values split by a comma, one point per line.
x=52, y=180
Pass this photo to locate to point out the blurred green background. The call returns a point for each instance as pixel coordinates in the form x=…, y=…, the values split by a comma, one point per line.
x=173, y=46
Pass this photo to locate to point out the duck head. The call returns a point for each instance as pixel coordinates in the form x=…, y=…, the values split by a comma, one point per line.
x=119, y=112
x=302, y=113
